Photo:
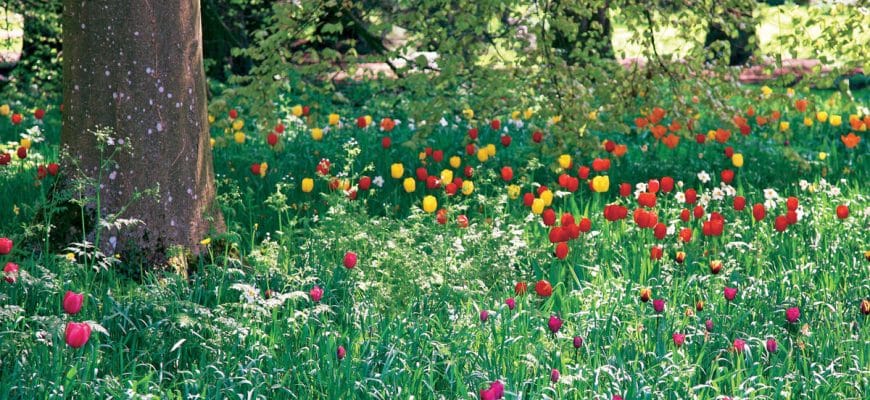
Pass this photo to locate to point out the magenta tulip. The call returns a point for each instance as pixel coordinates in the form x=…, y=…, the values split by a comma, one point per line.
x=792, y=314
x=349, y=260
x=341, y=352
x=679, y=339
x=72, y=302
x=578, y=342
x=5, y=246
x=739, y=345
x=511, y=303
x=554, y=375
x=771, y=345
x=709, y=325
x=316, y=293
x=484, y=315
x=77, y=334
x=554, y=324
x=730, y=293
x=659, y=306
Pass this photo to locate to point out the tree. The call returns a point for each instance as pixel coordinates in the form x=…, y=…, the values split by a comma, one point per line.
x=136, y=67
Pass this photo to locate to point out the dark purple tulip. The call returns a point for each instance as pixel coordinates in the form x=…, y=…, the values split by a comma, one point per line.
x=554, y=375
x=709, y=325
x=578, y=342
x=484, y=315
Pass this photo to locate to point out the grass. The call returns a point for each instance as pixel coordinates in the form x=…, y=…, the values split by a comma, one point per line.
x=408, y=315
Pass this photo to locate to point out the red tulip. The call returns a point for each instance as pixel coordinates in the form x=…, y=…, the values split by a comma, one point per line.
x=667, y=184
x=386, y=142
x=686, y=235
x=549, y=217
x=729, y=152
x=364, y=183
x=441, y=216
x=234, y=114
x=685, y=215
x=16, y=119
x=72, y=302
x=715, y=267
x=5, y=246
x=791, y=203
x=727, y=176
x=691, y=196
x=601, y=164
x=22, y=152
x=470, y=149
x=585, y=225
x=609, y=146
x=561, y=250
x=361, y=122
x=5, y=158
x=462, y=221
x=472, y=133
x=698, y=212
x=537, y=137
x=739, y=345
x=505, y=140
x=279, y=129
x=842, y=211
x=521, y=287
x=655, y=253
x=77, y=334
x=469, y=171
x=543, y=288
x=350, y=260
x=495, y=124
x=708, y=325
x=583, y=172
x=10, y=272
x=780, y=223
x=624, y=189
x=739, y=203
x=647, y=199
x=507, y=174
x=39, y=113
x=758, y=211
x=53, y=169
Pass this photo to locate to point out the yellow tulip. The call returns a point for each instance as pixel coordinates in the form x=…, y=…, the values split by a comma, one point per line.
x=455, y=161
x=482, y=155
x=317, y=134
x=238, y=125
x=468, y=113
x=5, y=110
x=422, y=155
x=822, y=116
x=547, y=197
x=515, y=115
x=783, y=126
x=808, y=121
x=25, y=142
x=397, y=170
x=711, y=135
x=528, y=113
x=836, y=120
x=333, y=119
x=446, y=176
x=565, y=161
x=410, y=185
x=307, y=185
x=601, y=184
x=490, y=150
x=823, y=155
x=789, y=92
x=210, y=119
x=430, y=204
x=766, y=91
x=538, y=206
x=239, y=137
x=555, y=119
x=593, y=115
x=263, y=168
x=513, y=192
x=368, y=119
x=737, y=160
x=211, y=142
x=467, y=188
x=296, y=111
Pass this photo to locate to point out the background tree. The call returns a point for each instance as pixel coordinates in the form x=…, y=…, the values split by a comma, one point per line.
x=136, y=67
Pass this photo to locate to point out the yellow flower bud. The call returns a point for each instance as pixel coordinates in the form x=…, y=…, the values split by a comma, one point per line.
x=808, y=121
x=430, y=204
x=467, y=188
x=317, y=134
x=455, y=161
x=409, y=184
x=823, y=156
x=239, y=137
x=783, y=126
x=547, y=197
x=490, y=150
x=5, y=110
x=737, y=160
x=822, y=116
x=538, y=206
x=446, y=176
x=593, y=115
x=565, y=161
x=555, y=119
x=307, y=185
x=397, y=170
x=601, y=184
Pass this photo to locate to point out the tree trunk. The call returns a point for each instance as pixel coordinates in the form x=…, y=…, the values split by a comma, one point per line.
x=135, y=66
x=740, y=47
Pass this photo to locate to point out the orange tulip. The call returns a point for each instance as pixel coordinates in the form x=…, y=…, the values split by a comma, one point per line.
x=851, y=140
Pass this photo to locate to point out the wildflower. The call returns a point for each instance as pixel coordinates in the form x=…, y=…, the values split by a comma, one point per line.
x=77, y=334
x=72, y=302
x=792, y=314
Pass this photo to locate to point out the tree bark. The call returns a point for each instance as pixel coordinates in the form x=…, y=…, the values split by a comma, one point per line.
x=135, y=66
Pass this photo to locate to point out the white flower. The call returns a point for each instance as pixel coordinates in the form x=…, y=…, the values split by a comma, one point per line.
x=834, y=191
x=804, y=184
x=704, y=177
x=443, y=122
x=378, y=181
x=718, y=194
x=770, y=204
x=680, y=197
x=770, y=194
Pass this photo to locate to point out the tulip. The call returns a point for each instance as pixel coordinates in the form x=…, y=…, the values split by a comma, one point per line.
x=708, y=324
x=655, y=253
x=5, y=246
x=561, y=250
x=341, y=353
x=409, y=184
x=758, y=211
x=680, y=257
x=72, y=302
x=350, y=259
x=739, y=345
x=842, y=211
x=792, y=314
x=430, y=204
x=511, y=303
x=865, y=307
x=10, y=272
x=484, y=316
x=601, y=184
x=554, y=324
x=659, y=306
x=520, y=288
x=554, y=375
x=771, y=345
x=730, y=293
x=543, y=288
x=307, y=185
x=645, y=294
x=679, y=339
x=497, y=388
x=77, y=334
x=397, y=170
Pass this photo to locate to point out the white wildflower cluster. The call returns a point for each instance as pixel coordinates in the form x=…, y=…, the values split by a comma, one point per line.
x=770, y=199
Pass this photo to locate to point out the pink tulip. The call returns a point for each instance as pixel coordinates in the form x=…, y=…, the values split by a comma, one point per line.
x=72, y=302
x=349, y=260
x=341, y=352
x=554, y=375
x=739, y=345
x=77, y=334
x=709, y=325
x=497, y=388
x=659, y=306
x=679, y=339
x=730, y=293
x=554, y=324
x=511, y=303
x=792, y=314
x=771, y=345
x=316, y=293
x=484, y=315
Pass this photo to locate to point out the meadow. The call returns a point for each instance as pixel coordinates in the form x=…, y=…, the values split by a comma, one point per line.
x=686, y=259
